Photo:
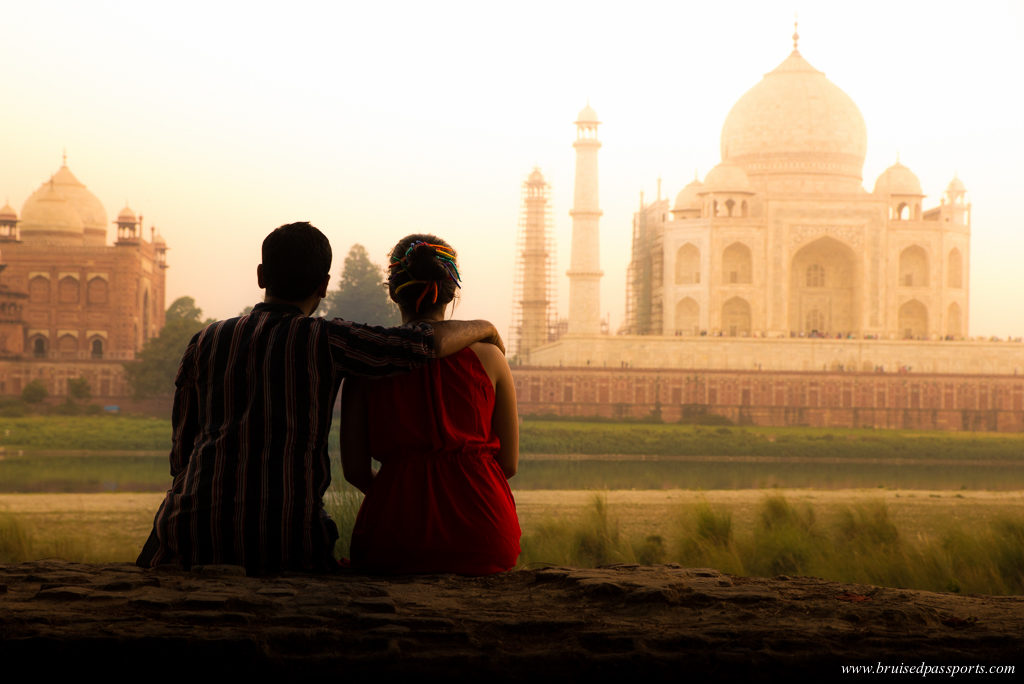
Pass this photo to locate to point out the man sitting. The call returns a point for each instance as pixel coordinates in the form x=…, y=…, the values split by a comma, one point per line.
x=252, y=412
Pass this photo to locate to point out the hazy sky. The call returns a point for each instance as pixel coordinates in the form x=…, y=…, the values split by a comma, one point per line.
x=221, y=120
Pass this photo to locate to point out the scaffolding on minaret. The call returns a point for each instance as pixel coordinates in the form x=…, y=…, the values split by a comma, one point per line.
x=644, y=275
x=534, y=309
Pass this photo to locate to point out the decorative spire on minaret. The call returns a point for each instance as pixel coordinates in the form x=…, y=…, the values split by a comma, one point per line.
x=585, y=266
x=64, y=157
x=796, y=35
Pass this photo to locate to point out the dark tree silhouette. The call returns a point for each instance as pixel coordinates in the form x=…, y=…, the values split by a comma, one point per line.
x=153, y=371
x=362, y=294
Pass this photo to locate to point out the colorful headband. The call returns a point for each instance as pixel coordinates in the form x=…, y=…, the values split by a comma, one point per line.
x=443, y=253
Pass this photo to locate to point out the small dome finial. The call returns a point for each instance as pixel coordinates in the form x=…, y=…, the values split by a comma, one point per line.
x=64, y=157
x=796, y=35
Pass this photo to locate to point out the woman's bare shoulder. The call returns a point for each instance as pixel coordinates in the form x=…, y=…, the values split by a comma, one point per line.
x=486, y=350
x=491, y=359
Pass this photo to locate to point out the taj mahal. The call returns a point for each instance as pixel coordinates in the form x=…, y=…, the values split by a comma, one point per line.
x=777, y=291
x=779, y=259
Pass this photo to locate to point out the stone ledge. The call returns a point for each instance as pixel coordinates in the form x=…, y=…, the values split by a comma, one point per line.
x=662, y=622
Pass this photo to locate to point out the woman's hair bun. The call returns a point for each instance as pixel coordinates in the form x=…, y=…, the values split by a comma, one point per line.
x=423, y=263
x=423, y=271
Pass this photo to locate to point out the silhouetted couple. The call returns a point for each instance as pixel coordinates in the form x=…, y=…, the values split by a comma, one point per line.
x=252, y=413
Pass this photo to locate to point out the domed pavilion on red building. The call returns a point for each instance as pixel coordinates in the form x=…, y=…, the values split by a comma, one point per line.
x=73, y=304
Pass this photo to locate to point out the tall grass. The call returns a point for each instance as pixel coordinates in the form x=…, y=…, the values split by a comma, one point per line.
x=19, y=542
x=15, y=544
x=706, y=536
x=786, y=540
x=857, y=544
x=342, y=503
x=591, y=541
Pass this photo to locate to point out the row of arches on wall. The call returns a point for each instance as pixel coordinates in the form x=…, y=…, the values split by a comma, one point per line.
x=10, y=310
x=913, y=321
x=97, y=291
x=737, y=267
x=728, y=208
x=67, y=347
x=737, y=264
x=914, y=268
x=736, y=319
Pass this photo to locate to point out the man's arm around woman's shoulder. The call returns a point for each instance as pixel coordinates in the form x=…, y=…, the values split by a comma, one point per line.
x=453, y=336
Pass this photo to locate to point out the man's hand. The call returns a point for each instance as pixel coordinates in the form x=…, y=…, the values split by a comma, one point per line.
x=453, y=336
x=495, y=339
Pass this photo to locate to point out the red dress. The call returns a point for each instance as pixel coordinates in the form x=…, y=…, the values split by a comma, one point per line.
x=440, y=502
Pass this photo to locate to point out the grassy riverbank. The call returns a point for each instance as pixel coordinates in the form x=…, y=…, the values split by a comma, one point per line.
x=555, y=437
x=101, y=433
x=939, y=511
x=970, y=542
x=123, y=454
x=561, y=437
x=851, y=542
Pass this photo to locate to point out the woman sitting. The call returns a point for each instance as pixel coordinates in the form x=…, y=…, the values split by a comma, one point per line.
x=447, y=439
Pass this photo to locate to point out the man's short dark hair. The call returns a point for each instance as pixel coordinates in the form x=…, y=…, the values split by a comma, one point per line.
x=296, y=259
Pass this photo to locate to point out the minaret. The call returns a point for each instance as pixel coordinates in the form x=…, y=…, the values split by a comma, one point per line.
x=535, y=313
x=585, y=266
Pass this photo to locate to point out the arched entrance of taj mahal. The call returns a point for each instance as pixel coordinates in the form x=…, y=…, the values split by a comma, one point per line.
x=826, y=290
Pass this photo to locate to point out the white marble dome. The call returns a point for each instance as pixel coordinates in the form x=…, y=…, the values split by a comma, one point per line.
x=726, y=177
x=689, y=197
x=796, y=121
x=898, y=180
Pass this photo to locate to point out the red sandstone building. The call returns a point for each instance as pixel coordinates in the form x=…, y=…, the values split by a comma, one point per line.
x=72, y=305
x=918, y=401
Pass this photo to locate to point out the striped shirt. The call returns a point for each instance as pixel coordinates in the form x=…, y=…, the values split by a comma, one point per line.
x=252, y=413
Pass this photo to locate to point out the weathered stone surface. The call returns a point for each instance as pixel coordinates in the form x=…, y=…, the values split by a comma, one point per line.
x=660, y=622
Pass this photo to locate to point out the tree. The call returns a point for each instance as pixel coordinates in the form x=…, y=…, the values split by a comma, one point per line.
x=184, y=309
x=34, y=392
x=78, y=388
x=361, y=295
x=153, y=371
